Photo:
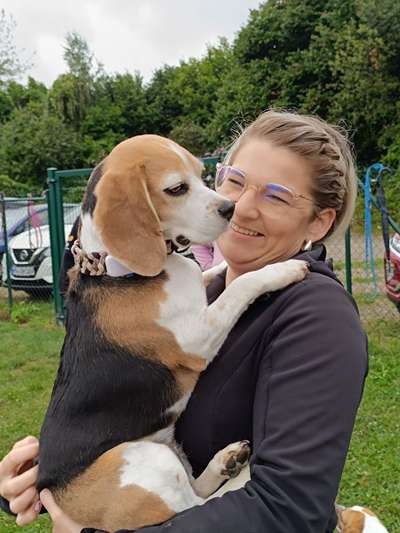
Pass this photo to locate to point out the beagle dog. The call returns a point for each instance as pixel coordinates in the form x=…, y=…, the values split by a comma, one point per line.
x=358, y=519
x=139, y=332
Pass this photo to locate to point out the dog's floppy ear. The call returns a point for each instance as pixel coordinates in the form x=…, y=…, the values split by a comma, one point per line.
x=127, y=221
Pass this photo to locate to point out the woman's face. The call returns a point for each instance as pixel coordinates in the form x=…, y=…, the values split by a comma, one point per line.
x=281, y=229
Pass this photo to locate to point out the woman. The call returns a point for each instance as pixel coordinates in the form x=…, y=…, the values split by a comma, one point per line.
x=290, y=375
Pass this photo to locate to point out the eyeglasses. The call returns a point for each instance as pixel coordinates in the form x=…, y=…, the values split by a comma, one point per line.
x=231, y=181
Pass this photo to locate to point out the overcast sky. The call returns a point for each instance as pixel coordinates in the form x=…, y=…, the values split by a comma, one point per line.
x=125, y=35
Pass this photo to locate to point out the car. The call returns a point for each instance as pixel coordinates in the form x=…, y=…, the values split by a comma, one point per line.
x=19, y=218
x=30, y=256
x=392, y=278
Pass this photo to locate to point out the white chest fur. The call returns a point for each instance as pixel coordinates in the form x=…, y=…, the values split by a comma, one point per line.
x=184, y=310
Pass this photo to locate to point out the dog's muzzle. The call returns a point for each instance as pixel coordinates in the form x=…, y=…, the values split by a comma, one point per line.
x=226, y=210
x=182, y=240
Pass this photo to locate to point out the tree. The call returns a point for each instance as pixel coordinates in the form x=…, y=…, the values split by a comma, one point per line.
x=190, y=136
x=162, y=102
x=72, y=93
x=11, y=64
x=197, y=81
x=34, y=139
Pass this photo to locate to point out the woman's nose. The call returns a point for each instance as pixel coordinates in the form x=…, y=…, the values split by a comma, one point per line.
x=246, y=204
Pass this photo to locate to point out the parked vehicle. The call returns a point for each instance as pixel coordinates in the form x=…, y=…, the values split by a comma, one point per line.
x=393, y=279
x=19, y=219
x=30, y=255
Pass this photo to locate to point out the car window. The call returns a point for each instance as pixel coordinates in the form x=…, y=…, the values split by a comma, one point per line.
x=39, y=216
x=14, y=214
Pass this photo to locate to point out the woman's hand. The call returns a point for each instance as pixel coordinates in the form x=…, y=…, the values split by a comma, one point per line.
x=18, y=479
x=61, y=522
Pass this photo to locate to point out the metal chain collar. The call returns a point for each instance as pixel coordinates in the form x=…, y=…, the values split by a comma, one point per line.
x=91, y=264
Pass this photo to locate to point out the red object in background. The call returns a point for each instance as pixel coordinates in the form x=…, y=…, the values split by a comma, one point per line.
x=392, y=276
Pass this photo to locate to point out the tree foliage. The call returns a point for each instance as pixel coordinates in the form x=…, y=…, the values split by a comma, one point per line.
x=340, y=60
x=11, y=63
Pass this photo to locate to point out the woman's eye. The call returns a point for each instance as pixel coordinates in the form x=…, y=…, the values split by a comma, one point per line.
x=275, y=198
x=237, y=183
x=178, y=190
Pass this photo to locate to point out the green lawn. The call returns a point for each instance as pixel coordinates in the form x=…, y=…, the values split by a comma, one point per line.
x=29, y=349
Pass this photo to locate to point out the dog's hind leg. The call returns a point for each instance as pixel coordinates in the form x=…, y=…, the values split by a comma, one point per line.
x=225, y=464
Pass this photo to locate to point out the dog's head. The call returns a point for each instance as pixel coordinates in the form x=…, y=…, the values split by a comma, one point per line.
x=149, y=190
x=358, y=519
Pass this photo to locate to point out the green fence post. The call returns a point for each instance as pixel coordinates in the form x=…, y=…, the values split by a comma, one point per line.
x=8, y=264
x=60, y=214
x=51, y=196
x=349, y=281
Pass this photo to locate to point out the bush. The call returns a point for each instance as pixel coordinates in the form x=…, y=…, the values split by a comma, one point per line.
x=190, y=136
x=391, y=181
x=11, y=187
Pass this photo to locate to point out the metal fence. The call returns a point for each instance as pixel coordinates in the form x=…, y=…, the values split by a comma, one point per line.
x=26, y=269
x=35, y=230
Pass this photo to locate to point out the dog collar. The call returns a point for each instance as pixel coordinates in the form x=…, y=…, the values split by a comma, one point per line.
x=89, y=263
x=101, y=263
x=98, y=263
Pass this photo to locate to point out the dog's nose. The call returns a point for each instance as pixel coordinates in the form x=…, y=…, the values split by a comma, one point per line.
x=226, y=209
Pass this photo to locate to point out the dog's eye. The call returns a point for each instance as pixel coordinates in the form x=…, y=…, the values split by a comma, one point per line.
x=177, y=190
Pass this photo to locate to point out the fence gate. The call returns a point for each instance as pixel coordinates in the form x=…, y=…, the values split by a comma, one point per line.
x=55, y=201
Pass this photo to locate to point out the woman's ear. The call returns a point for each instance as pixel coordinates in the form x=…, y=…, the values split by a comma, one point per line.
x=321, y=224
x=127, y=222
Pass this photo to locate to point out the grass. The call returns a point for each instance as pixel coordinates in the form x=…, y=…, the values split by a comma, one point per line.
x=29, y=353
x=371, y=475
x=29, y=350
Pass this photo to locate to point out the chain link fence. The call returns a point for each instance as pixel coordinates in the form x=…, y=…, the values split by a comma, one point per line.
x=371, y=299
x=27, y=273
x=25, y=253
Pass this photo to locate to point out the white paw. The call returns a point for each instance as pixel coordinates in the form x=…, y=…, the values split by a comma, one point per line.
x=280, y=275
x=294, y=269
x=229, y=462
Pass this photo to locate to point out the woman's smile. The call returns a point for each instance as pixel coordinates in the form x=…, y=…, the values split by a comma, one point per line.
x=241, y=230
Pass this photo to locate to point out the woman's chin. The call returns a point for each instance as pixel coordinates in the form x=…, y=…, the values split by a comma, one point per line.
x=241, y=261
x=239, y=250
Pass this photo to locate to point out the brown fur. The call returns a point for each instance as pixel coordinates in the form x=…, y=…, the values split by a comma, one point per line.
x=138, y=331
x=128, y=195
x=351, y=521
x=127, y=214
x=106, y=504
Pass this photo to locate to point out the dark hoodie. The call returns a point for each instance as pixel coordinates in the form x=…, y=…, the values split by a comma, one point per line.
x=289, y=378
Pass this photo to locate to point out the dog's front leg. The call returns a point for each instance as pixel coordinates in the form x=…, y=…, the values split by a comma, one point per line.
x=211, y=273
x=222, y=315
x=226, y=464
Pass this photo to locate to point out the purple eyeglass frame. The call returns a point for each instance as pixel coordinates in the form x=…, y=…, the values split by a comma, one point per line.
x=238, y=172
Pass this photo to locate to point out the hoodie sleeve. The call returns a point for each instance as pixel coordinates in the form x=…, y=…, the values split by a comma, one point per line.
x=309, y=387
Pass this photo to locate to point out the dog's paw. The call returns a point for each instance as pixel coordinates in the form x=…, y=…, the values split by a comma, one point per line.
x=229, y=462
x=280, y=275
x=293, y=270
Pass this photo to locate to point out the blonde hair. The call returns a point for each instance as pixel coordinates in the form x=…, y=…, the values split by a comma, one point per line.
x=328, y=150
